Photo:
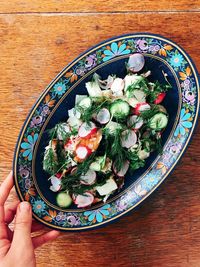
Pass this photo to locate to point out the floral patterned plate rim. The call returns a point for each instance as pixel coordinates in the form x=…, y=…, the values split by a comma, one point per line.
x=114, y=48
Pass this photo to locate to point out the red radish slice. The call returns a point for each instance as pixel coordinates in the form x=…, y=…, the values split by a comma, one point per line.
x=103, y=116
x=73, y=170
x=85, y=200
x=160, y=98
x=87, y=129
x=123, y=170
x=89, y=178
x=136, y=62
x=59, y=175
x=135, y=122
x=128, y=138
x=140, y=107
x=56, y=184
x=83, y=151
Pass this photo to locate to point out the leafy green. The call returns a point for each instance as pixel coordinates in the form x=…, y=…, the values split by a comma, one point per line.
x=97, y=104
x=71, y=180
x=50, y=162
x=141, y=84
x=152, y=90
x=147, y=114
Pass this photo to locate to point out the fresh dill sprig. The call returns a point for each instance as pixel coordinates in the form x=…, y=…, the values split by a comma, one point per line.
x=50, y=162
x=81, y=189
x=69, y=181
x=147, y=114
x=88, y=113
x=156, y=89
x=114, y=148
x=152, y=90
x=140, y=84
x=59, y=130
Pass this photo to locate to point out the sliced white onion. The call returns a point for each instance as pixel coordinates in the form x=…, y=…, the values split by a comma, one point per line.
x=85, y=129
x=93, y=89
x=89, y=178
x=74, y=113
x=103, y=116
x=136, y=62
x=107, y=188
x=85, y=200
x=117, y=85
x=132, y=101
x=74, y=122
x=139, y=95
x=128, y=138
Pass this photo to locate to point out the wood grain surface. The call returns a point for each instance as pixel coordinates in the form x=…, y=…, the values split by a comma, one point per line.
x=37, y=39
x=96, y=6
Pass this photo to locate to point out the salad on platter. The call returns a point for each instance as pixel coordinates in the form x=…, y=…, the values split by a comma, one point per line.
x=108, y=133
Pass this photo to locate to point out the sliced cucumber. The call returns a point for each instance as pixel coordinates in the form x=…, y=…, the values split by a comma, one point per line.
x=85, y=103
x=98, y=164
x=158, y=121
x=120, y=108
x=63, y=200
x=112, y=126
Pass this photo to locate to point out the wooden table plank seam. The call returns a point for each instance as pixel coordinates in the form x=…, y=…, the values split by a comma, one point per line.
x=101, y=13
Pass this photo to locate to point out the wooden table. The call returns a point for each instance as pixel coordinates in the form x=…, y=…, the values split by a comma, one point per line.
x=37, y=39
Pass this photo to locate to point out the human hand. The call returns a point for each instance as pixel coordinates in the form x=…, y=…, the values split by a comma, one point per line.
x=17, y=247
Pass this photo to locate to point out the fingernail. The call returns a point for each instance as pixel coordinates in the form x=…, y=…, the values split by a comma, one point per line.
x=24, y=207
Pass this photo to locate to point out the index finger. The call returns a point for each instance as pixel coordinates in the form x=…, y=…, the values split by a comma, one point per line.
x=5, y=188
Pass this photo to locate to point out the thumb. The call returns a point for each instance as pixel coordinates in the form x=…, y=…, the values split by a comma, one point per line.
x=22, y=227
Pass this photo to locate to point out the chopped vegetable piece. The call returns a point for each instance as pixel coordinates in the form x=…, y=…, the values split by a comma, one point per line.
x=158, y=121
x=85, y=103
x=85, y=200
x=112, y=126
x=56, y=183
x=119, y=108
x=98, y=163
x=143, y=154
x=117, y=86
x=128, y=138
x=160, y=98
x=135, y=122
x=107, y=188
x=93, y=89
x=136, y=62
x=123, y=170
x=63, y=200
x=89, y=178
x=140, y=108
x=82, y=152
x=87, y=129
x=103, y=116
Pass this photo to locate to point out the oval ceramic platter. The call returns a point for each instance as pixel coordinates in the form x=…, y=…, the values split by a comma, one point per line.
x=108, y=57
